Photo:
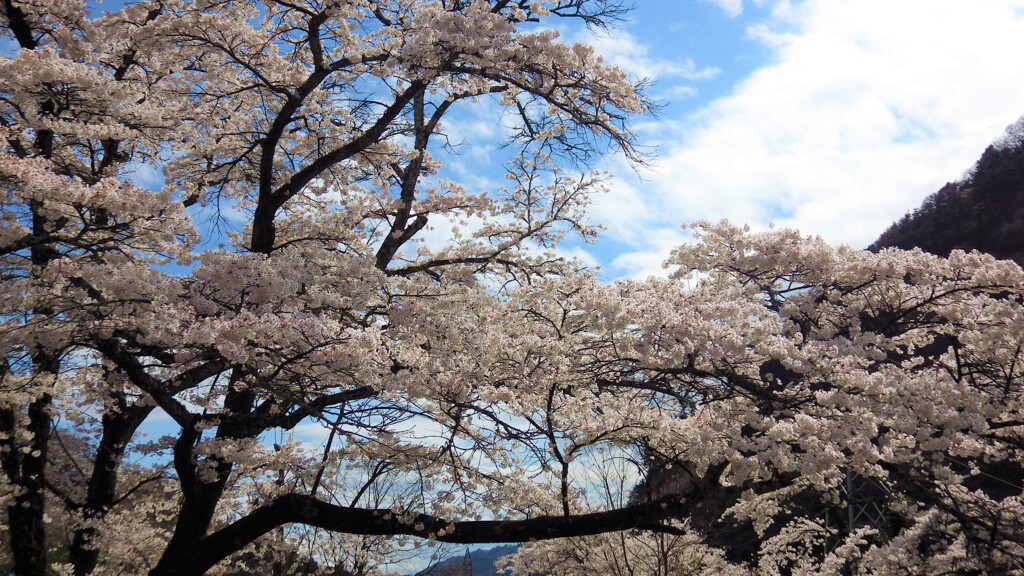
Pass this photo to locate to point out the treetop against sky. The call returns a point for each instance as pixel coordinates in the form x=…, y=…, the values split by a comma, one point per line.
x=828, y=116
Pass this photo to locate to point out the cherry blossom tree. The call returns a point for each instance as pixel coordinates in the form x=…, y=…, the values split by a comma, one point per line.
x=466, y=386
x=320, y=124
x=796, y=367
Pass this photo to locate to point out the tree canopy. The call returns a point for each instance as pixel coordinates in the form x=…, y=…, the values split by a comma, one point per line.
x=479, y=388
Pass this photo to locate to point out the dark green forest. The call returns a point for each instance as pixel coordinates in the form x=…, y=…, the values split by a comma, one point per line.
x=984, y=210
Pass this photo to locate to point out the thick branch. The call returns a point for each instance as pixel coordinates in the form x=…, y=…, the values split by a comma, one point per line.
x=265, y=416
x=19, y=26
x=302, y=509
x=263, y=227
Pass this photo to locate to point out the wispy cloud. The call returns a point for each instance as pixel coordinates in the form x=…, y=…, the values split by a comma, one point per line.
x=731, y=7
x=624, y=50
x=734, y=8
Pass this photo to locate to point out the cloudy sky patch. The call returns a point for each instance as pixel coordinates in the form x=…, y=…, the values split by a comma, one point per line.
x=830, y=116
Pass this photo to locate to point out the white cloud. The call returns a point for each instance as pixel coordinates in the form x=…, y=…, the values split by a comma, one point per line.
x=681, y=92
x=312, y=432
x=647, y=261
x=146, y=176
x=731, y=7
x=763, y=33
x=867, y=107
x=579, y=254
x=623, y=211
x=625, y=51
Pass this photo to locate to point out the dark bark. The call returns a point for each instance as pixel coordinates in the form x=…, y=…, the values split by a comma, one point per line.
x=264, y=229
x=19, y=26
x=202, y=492
x=118, y=429
x=25, y=467
x=25, y=464
x=302, y=509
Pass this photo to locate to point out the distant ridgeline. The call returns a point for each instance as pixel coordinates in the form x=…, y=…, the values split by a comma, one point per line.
x=983, y=211
x=473, y=563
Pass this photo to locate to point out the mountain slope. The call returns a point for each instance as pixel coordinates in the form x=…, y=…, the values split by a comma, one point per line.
x=482, y=561
x=982, y=211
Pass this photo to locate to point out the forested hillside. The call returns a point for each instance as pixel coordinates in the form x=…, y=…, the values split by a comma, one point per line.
x=482, y=562
x=984, y=210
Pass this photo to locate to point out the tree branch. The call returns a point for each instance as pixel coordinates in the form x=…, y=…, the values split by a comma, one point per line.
x=302, y=509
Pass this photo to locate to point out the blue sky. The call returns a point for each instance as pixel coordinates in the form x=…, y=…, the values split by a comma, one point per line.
x=831, y=116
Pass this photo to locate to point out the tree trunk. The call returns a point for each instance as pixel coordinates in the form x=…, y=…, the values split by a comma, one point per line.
x=118, y=429
x=25, y=467
x=201, y=498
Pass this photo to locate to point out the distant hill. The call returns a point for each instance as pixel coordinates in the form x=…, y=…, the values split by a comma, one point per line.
x=482, y=562
x=983, y=211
